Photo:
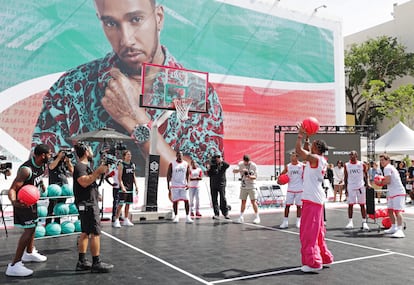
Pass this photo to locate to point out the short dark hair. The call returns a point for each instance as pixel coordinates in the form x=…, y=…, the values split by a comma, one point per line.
x=41, y=149
x=321, y=146
x=246, y=157
x=80, y=149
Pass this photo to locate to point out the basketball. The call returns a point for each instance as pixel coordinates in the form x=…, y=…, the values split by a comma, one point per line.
x=53, y=229
x=28, y=194
x=283, y=179
x=378, y=180
x=42, y=211
x=61, y=209
x=386, y=223
x=78, y=227
x=40, y=231
x=67, y=227
x=67, y=190
x=311, y=125
x=54, y=190
x=73, y=210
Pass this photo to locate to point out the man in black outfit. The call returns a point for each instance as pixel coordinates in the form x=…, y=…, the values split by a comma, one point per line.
x=86, y=195
x=216, y=170
x=59, y=170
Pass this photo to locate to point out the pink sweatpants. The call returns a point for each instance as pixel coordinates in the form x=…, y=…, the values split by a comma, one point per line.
x=312, y=236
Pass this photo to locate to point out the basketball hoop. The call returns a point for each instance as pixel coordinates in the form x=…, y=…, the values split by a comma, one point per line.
x=182, y=106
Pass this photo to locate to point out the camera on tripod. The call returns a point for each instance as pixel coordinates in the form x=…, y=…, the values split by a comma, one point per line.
x=5, y=168
x=67, y=152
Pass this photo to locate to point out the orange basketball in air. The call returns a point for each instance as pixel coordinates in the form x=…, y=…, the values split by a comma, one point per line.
x=311, y=125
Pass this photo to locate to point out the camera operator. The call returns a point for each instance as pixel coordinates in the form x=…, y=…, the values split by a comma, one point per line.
x=86, y=193
x=248, y=172
x=59, y=170
x=216, y=170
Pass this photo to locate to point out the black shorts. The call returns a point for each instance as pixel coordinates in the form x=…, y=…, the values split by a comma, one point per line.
x=126, y=197
x=89, y=216
x=25, y=217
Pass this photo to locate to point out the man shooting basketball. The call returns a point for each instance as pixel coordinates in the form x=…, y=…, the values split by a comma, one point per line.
x=105, y=92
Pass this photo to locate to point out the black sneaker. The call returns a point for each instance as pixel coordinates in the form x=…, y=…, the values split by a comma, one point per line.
x=227, y=217
x=101, y=267
x=83, y=265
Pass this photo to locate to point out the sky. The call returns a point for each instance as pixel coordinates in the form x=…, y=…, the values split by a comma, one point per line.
x=356, y=15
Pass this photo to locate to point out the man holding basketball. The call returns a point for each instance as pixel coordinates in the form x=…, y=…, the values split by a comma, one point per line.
x=31, y=172
x=112, y=86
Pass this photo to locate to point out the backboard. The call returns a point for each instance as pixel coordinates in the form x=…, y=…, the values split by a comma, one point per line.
x=162, y=84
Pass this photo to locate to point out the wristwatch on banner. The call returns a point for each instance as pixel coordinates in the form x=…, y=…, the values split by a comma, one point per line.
x=141, y=132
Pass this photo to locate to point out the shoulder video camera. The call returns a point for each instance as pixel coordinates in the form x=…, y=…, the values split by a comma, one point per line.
x=5, y=167
x=67, y=152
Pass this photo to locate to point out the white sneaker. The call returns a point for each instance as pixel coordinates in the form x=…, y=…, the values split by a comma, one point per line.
x=350, y=225
x=116, y=224
x=284, y=225
x=176, y=219
x=398, y=234
x=188, y=220
x=256, y=220
x=298, y=223
x=127, y=223
x=306, y=268
x=240, y=220
x=18, y=269
x=365, y=226
x=33, y=257
x=391, y=230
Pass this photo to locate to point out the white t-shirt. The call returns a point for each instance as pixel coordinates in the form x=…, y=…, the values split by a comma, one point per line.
x=313, y=180
x=251, y=168
x=179, y=174
x=395, y=187
x=339, y=175
x=295, y=173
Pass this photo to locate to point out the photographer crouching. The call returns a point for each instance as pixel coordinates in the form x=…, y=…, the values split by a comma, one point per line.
x=86, y=194
x=59, y=170
x=216, y=170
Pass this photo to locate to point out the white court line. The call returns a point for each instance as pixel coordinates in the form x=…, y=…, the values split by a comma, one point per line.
x=157, y=259
x=292, y=269
x=385, y=253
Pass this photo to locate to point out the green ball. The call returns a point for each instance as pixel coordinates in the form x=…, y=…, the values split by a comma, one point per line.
x=61, y=209
x=41, y=211
x=67, y=227
x=54, y=190
x=67, y=190
x=78, y=227
x=53, y=229
x=73, y=210
x=40, y=231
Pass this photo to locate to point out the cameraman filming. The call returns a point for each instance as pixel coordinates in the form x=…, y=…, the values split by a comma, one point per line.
x=59, y=170
x=86, y=194
x=216, y=170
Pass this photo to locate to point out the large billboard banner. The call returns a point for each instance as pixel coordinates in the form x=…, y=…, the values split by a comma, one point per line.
x=266, y=67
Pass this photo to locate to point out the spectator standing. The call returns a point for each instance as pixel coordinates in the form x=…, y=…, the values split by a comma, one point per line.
x=248, y=172
x=216, y=170
x=339, y=175
x=196, y=175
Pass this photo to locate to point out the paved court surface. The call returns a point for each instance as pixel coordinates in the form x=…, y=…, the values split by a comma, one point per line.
x=222, y=252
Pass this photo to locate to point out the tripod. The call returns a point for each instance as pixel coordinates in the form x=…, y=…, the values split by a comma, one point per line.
x=2, y=217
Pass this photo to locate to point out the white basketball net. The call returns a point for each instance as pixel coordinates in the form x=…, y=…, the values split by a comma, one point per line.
x=182, y=106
